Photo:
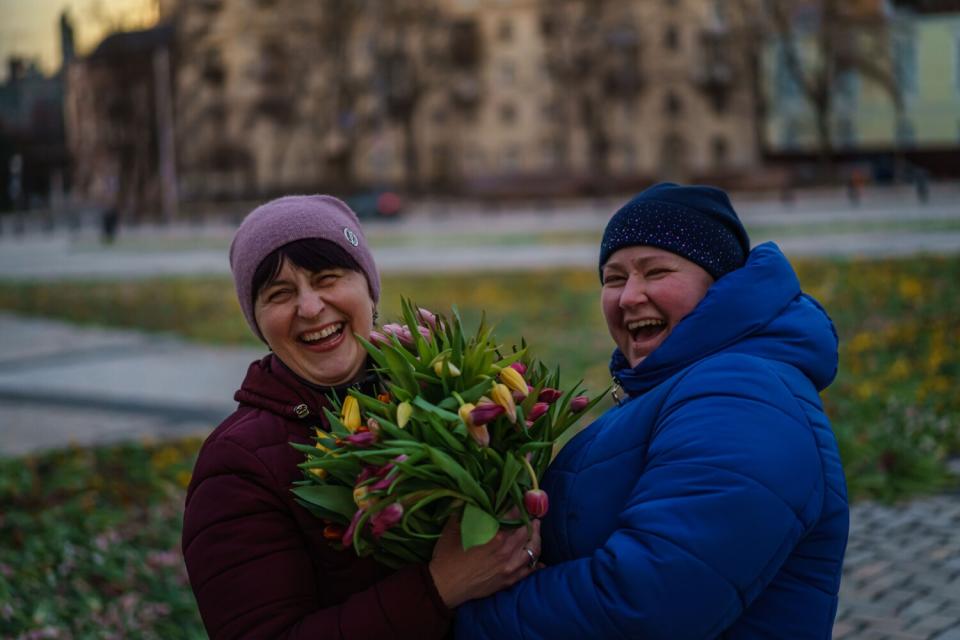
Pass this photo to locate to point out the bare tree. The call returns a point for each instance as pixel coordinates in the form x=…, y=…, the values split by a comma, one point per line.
x=593, y=57
x=819, y=40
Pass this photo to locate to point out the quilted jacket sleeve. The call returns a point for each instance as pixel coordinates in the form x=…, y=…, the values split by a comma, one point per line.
x=732, y=481
x=252, y=575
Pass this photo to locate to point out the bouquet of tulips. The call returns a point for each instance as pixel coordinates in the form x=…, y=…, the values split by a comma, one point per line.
x=458, y=429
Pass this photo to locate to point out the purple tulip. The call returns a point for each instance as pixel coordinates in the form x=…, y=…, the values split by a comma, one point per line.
x=579, y=403
x=361, y=440
x=428, y=317
x=378, y=339
x=549, y=395
x=386, y=518
x=365, y=474
x=485, y=412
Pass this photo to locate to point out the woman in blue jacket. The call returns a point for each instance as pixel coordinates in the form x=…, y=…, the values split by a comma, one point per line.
x=710, y=502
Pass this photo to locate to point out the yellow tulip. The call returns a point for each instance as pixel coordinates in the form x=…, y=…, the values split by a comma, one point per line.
x=464, y=412
x=512, y=378
x=360, y=497
x=440, y=365
x=404, y=411
x=502, y=396
x=350, y=414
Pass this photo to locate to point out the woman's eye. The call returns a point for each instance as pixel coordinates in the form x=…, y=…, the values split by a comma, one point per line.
x=653, y=273
x=278, y=294
x=612, y=279
x=325, y=278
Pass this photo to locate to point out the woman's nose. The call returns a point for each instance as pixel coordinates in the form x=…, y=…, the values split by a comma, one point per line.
x=309, y=304
x=634, y=292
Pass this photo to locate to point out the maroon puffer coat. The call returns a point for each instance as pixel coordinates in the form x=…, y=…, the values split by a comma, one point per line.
x=257, y=560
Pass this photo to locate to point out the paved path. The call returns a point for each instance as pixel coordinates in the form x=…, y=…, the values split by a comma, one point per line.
x=437, y=236
x=61, y=384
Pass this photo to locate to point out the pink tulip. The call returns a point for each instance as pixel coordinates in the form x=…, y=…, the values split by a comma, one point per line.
x=365, y=474
x=428, y=317
x=538, y=410
x=549, y=395
x=401, y=332
x=386, y=518
x=347, y=539
x=579, y=403
x=384, y=483
x=519, y=367
x=385, y=469
x=536, y=502
x=378, y=339
x=480, y=434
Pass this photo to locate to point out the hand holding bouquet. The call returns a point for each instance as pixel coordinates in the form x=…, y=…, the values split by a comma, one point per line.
x=459, y=429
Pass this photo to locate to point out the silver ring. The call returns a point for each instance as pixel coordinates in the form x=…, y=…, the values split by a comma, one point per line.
x=533, y=558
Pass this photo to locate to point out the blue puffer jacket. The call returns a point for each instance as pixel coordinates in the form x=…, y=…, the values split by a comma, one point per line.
x=712, y=502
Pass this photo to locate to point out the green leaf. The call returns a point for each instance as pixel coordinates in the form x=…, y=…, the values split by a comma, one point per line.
x=477, y=527
x=332, y=498
x=511, y=467
x=468, y=484
x=448, y=416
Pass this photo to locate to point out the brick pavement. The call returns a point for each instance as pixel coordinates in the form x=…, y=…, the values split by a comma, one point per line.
x=901, y=577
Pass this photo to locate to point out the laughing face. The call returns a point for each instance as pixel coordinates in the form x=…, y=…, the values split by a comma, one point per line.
x=646, y=292
x=309, y=319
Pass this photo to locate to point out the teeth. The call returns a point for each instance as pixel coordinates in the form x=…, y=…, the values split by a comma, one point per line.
x=639, y=324
x=323, y=333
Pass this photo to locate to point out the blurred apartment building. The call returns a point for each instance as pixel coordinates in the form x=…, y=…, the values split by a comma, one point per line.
x=467, y=96
x=250, y=98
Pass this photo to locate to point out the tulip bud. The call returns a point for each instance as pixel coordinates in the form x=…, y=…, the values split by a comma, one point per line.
x=579, y=403
x=401, y=332
x=484, y=413
x=347, y=538
x=320, y=473
x=384, y=483
x=385, y=469
x=378, y=339
x=386, y=518
x=549, y=395
x=373, y=426
x=333, y=532
x=514, y=381
x=361, y=497
x=365, y=474
x=440, y=365
x=428, y=317
x=537, y=410
x=465, y=413
x=501, y=395
x=404, y=411
x=536, y=502
x=423, y=331
x=350, y=413
x=480, y=434
x=519, y=367
x=361, y=440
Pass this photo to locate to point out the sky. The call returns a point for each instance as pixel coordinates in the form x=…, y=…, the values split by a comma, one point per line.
x=30, y=28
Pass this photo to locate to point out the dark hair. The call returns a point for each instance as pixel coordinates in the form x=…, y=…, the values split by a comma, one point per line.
x=312, y=254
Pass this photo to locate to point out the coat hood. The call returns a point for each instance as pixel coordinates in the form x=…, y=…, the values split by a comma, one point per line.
x=758, y=310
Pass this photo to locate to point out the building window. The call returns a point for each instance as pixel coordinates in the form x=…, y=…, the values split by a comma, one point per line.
x=672, y=104
x=508, y=113
x=505, y=30
x=671, y=38
x=786, y=83
x=791, y=135
x=508, y=72
x=719, y=150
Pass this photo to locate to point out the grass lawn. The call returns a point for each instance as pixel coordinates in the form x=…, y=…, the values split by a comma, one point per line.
x=90, y=535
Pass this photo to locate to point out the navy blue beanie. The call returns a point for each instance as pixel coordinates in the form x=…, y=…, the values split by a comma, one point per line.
x=695, y=222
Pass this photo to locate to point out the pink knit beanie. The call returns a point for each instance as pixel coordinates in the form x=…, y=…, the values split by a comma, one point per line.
x=284, y=220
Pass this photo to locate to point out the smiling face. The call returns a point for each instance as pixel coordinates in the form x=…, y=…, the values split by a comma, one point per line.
x=309, y=319
x=646, y=293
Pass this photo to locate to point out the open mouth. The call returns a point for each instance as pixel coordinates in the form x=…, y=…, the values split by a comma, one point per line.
x=646, y=329
x=326, y=335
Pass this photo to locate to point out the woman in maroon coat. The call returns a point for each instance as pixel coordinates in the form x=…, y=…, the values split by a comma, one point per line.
x=258, y=562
